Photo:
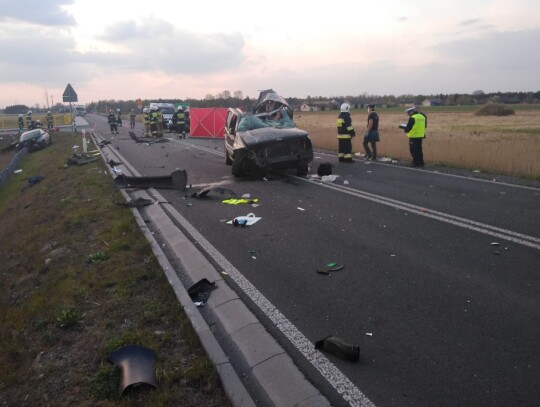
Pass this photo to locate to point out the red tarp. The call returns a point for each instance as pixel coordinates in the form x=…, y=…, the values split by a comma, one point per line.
x=207, y=122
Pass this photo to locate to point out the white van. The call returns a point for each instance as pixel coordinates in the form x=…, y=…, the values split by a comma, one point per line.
x=80, y=110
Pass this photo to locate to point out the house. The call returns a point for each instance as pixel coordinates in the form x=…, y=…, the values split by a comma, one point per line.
x=316, y=106
x=432, y=102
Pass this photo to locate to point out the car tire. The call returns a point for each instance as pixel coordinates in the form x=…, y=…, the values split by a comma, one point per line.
x=303, y=170
x=228, y=160
x=239, y=164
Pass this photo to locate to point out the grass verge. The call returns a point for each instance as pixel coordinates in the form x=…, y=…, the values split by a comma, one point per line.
x=78, y=281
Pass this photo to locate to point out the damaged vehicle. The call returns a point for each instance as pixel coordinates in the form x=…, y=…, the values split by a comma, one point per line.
x=266, y=139
x=36, y=139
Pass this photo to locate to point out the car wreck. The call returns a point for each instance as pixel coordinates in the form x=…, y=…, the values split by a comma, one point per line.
x=266, y=139
x=34, y=140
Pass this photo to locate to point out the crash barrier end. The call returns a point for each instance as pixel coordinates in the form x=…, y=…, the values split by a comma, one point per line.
x=6, y=172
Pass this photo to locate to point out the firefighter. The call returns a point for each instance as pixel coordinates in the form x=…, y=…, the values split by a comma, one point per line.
x=159, y=123
x=50, y=120
x=21, y=123
x=146, y=122
x=29, y=120
x=154, y=121
x=346, y=132
x=112, y=120
x=181, y=122
x=132, y=116
x=118, y=117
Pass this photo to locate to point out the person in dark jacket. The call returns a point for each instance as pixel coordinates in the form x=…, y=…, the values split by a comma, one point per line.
x=112, y=120
x=371, y=136
x=345, y=132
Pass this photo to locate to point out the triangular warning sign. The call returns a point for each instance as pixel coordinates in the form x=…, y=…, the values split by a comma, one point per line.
x=69, y=94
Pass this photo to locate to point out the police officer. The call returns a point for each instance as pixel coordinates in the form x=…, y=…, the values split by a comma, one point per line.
x=345, y=132
x=50, y=120
x=132, y=116
x=146, y=122
x=112, y=120
x=416, y=132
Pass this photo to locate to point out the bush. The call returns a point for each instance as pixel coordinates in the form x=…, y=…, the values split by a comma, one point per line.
x=495, y=109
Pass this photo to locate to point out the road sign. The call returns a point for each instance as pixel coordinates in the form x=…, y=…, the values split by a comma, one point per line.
x=69, y=94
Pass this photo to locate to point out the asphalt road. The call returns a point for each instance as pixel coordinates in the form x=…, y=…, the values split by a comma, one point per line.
x=440, y=281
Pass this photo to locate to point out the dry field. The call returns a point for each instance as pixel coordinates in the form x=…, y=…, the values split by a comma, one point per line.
x=507, y=145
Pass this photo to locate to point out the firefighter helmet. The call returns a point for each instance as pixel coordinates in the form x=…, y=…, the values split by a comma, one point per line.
x=118, y=110
x=145, y=110
x=345, y=108
x=20, y=115
x=29, y=112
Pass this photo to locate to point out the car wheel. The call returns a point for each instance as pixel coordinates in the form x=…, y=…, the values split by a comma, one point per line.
x=239, y=164
x=228, y=160
x=303, y=170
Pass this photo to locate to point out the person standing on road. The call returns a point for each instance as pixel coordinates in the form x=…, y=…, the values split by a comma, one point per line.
x=371, y=136
x=154, y=119
x=159, y=122
x=416, y=132
x=181, y=122
x=111, y=119
x=29, y=120
x=119, y=117
x=345, y=132
x=132, y=116
x=50, y=120
x=21, y=123
x=146, y=122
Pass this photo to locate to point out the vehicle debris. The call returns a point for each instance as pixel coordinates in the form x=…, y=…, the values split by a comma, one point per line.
x=177, y=180
x=201, y=290
x=338, y=347
x=137, y=366
x=136, y=203
x=203, y=192
x=324, y=169
x=237, y=201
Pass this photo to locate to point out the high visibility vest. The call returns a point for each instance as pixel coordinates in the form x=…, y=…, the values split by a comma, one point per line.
x=146, y=118
x=181, y=118
x=419, y=127
x=154, y=117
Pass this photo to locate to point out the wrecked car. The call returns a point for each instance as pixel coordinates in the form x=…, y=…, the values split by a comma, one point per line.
x=34, y=140
x=266, y=139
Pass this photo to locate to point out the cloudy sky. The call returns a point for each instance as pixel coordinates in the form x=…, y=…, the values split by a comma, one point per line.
x=188, y=49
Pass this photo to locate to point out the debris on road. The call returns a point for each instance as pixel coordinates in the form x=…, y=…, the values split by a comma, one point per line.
x=246, y=220
x=177, y=180
x=339, y=348
x=203, y=192
x=136, y=203
x=201, y=290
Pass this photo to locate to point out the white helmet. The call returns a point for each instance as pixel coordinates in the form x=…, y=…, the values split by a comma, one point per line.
x=29, y=112
x=180, y=109
x=118, y=110
x=20, y=115
x=49, y=112
x=345, y=108
x=154, y=108
x=145, y=110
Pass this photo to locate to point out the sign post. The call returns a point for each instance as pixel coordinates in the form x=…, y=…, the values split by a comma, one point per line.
x=70, y=96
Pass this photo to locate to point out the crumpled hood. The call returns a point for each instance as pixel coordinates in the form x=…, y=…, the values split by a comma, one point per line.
x=269, y=135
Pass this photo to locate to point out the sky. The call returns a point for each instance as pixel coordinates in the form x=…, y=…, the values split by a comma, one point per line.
x=124, y=50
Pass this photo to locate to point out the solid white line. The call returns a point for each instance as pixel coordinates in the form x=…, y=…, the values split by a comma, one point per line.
x=328, y=370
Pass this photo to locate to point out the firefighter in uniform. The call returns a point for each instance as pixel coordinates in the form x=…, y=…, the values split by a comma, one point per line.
x=29, y=120
x=346, y=132
x=181, y=122
x=119, y=117
x=111, y=119
x=146, y=121
x=50, y=120
x=21, y=123
x=154, y=119
x=132, y=116
x=160, y=123
x=416, y=132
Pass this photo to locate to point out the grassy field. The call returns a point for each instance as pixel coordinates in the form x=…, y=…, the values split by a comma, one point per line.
x=11, y=121
x=79, y=280
x=508, y=145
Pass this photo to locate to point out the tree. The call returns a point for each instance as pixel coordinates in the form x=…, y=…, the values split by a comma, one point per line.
x=238, y=94
x=209, y=97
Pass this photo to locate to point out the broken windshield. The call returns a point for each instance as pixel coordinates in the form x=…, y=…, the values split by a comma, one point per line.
x=278, y=119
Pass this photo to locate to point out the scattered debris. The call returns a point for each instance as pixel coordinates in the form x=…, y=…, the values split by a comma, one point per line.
x=34, y=180
x=201, y=290
x=137, y=366
x=329, y=267
x=81, y=159
x=300, y=209
x=237, y=201
x=205, y=191
x=324, y=169
x=136, y=203
x=495, y=244
x=338, y=347
x=329, y=178
x=177, y=180
x=247, y=220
